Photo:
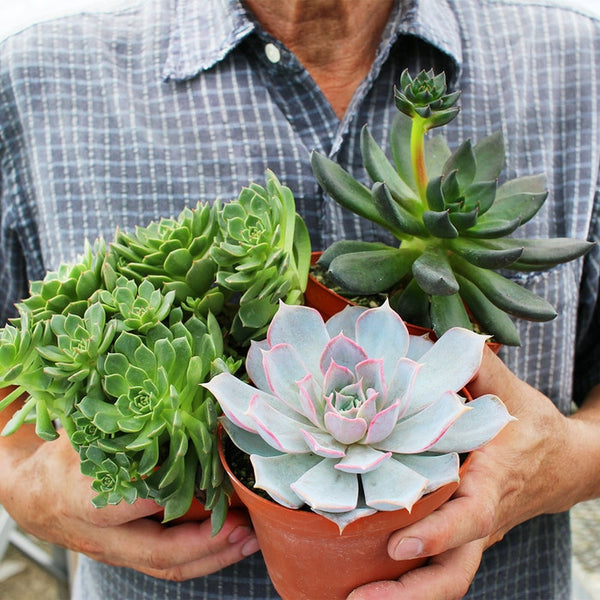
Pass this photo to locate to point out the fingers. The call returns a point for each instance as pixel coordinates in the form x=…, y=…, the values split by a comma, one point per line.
x=446, y=577
x=178, y=552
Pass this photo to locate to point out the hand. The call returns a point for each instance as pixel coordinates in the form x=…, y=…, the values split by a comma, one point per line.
x=533, y=466
x=50, y=498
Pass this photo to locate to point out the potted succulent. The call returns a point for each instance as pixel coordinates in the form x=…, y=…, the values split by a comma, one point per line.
x=351, y=425
x=451, y=219
x=115, y=346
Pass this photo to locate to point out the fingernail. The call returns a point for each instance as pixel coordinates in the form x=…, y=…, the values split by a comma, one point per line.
x=408, y=548
x=250, y=547
x=238, y=534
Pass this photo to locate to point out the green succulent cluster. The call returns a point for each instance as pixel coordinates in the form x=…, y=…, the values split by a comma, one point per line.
x=115, y=347
x=452, y=220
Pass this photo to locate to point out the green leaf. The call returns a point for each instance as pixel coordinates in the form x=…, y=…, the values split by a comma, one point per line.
x=522, y=206
x=491, y=228
x=397, y=219
x=412, y=304
x=434, y=274
x=380, y=169
x=447, y=312
x=346, y=247
x=489, y=157
x=480, y=195
x=462, y=160
x=400, y=146
x=437, y=153
x=482, y=255
x=506, y=294
x=372, y=272
x=545, y=253
x=344, y=189
x=489, y=317
x=439, y=224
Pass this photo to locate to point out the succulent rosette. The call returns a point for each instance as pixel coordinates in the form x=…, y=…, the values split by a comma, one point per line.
x=356, y=415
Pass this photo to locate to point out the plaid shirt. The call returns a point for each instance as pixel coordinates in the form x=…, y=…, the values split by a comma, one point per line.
x=111, y=120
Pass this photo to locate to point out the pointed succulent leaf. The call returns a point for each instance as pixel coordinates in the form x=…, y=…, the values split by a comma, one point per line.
x=380, y=169
x=490, y=228
x=393, y=486
x=482, y=255
x=343, y=351
x=438, y=469
x=303, y=327
x=421, y=430
x=506, y=294
x=400, y=146
x=486, y=417
x=440, y=224
x=374, y=271
x=441, y=372
x=283, y=368
x=323, y=444
x=247, y=442
x=480, y=195
x=344, y=189
x=279, y=428
x=433, y=273
x=490, y=318
x=436, y=152
x=435, y=196
x=276, y=474
x=378, y=331
x=523, y=206
x=412, y=303
x=462, y=161
x=324, y=487
x=347, y=247
x=396, y=218
x=362, y=459
x=544, y=253
x=489, y=156
x=447, y=312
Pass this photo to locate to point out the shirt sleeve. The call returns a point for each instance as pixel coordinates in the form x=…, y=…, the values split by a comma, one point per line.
x=20, y=255
x=587, y=362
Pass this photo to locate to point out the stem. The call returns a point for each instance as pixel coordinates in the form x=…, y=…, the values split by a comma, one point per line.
x=417, y=153
x=11, y=397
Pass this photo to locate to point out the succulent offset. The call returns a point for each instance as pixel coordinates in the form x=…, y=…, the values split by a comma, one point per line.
x=116, y=345
x=450, y=217
x=355, y=415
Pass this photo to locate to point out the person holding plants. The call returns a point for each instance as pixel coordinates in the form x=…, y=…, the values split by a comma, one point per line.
x=112, y=120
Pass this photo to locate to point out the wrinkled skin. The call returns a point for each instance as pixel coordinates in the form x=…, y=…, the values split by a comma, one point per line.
x=49, y=497
x=533, y=466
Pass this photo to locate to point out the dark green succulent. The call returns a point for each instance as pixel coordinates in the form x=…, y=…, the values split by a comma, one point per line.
x=115, y=347
x=451, y=219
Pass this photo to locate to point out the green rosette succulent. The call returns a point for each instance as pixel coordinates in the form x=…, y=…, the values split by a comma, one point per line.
x=115, y=346
x=451, y=219
x=262, y=254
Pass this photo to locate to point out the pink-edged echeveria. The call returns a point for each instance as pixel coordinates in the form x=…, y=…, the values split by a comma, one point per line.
x=355, y=415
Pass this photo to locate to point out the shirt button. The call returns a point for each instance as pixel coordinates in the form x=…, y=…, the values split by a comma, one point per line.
x=272, y=52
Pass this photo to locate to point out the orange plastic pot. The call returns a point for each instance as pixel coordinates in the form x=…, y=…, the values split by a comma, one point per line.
x=309, y=559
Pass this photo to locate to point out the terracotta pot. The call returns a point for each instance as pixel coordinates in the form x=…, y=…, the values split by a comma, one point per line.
x=308, y=559
x=328, y=303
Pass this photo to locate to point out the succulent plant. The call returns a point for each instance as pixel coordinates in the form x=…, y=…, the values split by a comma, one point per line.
x=355, y=415
x=116, y=345
x=451, y=220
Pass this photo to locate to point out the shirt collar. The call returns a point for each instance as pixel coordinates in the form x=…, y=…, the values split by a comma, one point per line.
x=203, y=32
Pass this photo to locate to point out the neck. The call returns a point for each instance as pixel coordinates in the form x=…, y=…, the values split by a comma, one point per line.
x=335, y=40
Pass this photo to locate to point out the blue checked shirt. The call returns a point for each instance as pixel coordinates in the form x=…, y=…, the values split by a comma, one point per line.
x=111, y=120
